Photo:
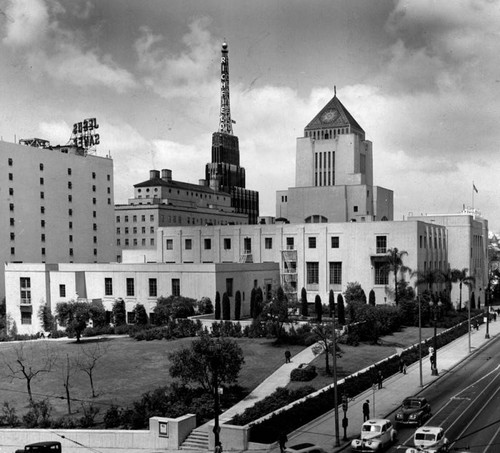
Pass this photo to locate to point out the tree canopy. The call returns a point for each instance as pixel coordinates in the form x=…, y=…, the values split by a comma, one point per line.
x=75, y=315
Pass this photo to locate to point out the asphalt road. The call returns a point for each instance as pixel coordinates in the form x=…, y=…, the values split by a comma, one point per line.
x=466, y=402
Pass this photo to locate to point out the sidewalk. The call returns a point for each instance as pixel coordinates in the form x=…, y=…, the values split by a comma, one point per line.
x=321, y=431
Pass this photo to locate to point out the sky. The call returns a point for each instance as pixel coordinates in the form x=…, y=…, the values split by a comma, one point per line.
x=422, y=77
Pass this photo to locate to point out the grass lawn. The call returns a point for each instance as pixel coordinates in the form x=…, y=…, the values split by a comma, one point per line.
x=127, y=370
x=130, y=368
x=355, y=358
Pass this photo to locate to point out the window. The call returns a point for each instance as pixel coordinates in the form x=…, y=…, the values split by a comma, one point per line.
x=11, y=177
x=43, y=251
x=42, y=195
x=335, y=242
x=126, y=230
x=42, y=223
x=11, y=206
x=95, y=252
x=229, y=286
x=336, y=273
x=207, y=243
x=312, y=273
x=70, y=198
x=62, y=290
x=11, y=162
x=41, y=167
x=69, y=171
x=70, y=212
x=117, y=219
x=130, y=287
x=247, y=244
x=94, y=226
x=176, y=287
x=381, y=274
x=41, y=181
x=143, y=230
x=152, y=230
x=135, y=241
x=227, y=243
x=381, y=244
x=12, y=221
x=152, y=241
x=153, y=289
x=143, y=218
x=25, y=287
x=11, y=191
x=312, y=242
x=143, y=241
x=69, y=185
x=25, y=318
x=188, y=244
x=126, y=242
x=355, y=209
x=289, y=244
x=42, y=237
x=130, y=317
x=151, y=218
x=12, y=236
x=93, y=175
x=118, y=231
x=134, y=230
x=126, y=218
x=93, y=189
x=169, y=244
x=12, y=250
x=42, y=209
x=135, y=218
x=70, y=238
x=70, y=225
x=70, y=252
x=95, y=239
x=268, y=243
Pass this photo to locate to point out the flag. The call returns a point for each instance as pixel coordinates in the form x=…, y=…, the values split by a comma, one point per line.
x=474, y=187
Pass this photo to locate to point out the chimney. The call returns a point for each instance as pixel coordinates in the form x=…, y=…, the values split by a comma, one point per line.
x=153, y=174
x=166, y=175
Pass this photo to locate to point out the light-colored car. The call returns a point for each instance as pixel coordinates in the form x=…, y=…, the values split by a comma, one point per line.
x=376, y=435
x=304, y=448
x=429, y=439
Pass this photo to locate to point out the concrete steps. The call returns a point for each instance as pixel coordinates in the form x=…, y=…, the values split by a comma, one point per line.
x=197, y=440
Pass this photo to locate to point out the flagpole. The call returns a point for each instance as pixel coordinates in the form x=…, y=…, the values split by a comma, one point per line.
x=473, y=195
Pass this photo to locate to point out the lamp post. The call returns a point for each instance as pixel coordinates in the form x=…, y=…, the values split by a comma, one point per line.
x=420, y=340
x=335, y=399
x=468, y=318
x=215, y=349
x=435, y=308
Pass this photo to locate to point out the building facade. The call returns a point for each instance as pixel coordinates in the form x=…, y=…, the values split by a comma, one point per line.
x=57, y=205
x=317, y=257
x=31, y=286
x=161, y=201
x=334, y=174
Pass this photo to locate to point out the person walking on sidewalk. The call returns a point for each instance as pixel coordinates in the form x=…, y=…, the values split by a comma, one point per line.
x=282, y=440
x=366, y=410
x=380, y=379
x=287, y=356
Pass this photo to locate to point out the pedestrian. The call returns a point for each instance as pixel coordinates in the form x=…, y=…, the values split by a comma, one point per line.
x=218, y=448
x=404, y=367
x=366, y=410
x=282, y=440
x=476, y=325
x=380, y=379
x=287, y=356
x=433, y=361
x=401, y=365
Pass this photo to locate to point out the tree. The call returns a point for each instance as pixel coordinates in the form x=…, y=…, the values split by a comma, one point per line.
x=303, y=302
x=173, y=307
x=237, y=306
x=354, y=293
x=67, y=373
x=217, y=305
x=119, y=312
x=253, y=294
x=331, y=303
x=28, y=363
x=341, y=309
x=460, y=276
x=46, y=317
x=395, y=265
x=205, y=306
x=371, y=298
x=75, y=316
x=226, y=307
x=259, y=302
x=323, y=334
x=87, y=360
x=277, y=310
x=198, y=362
x=141, y=316
x=3, y=315
x=318, y=308
x=428, y=278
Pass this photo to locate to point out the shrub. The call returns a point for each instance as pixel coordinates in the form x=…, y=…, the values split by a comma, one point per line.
x=38, y=416
x=9, y=416
x=303, y=373
x=89, y=414
x=112, y=417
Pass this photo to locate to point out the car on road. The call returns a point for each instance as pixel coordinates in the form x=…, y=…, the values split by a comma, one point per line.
x=430, y=439
x=376, y=435
x=415, y=410
x=304, y=448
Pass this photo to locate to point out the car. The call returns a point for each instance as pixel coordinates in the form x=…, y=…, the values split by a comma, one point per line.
x=415, y=410
x=430, y=439
x=304, y=448
x=42, y=447
x=376, y=435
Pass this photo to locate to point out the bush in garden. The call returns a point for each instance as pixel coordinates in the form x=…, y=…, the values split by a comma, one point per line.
x=303, y=374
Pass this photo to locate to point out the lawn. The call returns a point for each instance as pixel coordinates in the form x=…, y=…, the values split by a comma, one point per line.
x=127, y=370
x=130, y=368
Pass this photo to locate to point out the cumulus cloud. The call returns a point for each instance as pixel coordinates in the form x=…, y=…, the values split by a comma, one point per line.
x=32, y=30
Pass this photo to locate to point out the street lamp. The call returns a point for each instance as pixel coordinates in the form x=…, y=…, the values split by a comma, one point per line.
x=419, y=301
x=215, y=348
x=435, y=308
x=335, y=399
x=487, y=306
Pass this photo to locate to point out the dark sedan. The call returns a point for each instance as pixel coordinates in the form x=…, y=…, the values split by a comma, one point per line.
x=415, y=410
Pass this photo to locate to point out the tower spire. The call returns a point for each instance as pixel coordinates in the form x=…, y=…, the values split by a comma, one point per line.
x=225, y=123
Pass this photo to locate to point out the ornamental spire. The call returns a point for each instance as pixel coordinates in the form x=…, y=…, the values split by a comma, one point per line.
x=225, y=123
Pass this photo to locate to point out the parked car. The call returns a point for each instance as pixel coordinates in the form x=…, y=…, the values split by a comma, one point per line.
x=432, y=439
x=42, y=447
x=415, y=410
x=376, y=435
x=304, y=448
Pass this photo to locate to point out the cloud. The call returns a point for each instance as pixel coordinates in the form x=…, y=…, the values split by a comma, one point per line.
x=34, y=32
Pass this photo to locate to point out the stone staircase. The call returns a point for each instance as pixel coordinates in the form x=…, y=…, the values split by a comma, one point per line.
x=197, y=440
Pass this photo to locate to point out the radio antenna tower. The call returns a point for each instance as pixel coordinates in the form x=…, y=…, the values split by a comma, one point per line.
x=225, y=122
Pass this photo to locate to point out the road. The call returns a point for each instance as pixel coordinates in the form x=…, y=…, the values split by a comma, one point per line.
x=465, y=402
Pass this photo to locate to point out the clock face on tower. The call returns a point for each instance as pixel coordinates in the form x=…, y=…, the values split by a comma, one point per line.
x=329, y=116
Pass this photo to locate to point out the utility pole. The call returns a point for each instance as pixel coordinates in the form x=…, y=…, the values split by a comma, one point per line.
x=335, y=400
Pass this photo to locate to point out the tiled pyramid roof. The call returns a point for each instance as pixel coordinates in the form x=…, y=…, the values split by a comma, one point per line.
x=344, y=118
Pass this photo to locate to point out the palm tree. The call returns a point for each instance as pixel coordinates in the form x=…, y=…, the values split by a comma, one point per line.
x=395, y=265
x=461, y=277
x=429, y=278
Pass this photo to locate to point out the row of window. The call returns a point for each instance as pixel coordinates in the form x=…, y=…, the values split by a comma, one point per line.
x=44, y=252
x=326, y=134
x=428, y=242
x=152, y=287
x=135, y=230
x=335, y=273
x=135, y=242
x=134, y=218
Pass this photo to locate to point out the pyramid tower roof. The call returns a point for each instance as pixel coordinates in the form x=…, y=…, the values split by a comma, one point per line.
x=341, y=119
